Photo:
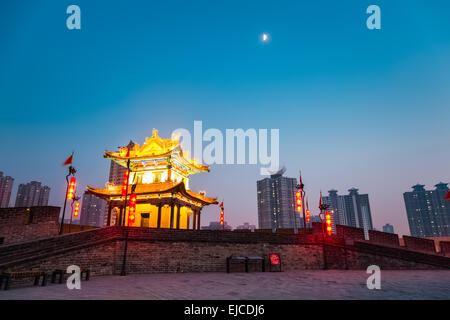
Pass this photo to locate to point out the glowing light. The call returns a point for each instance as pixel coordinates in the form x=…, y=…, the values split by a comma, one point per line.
x=132, y=209
x=125, y=183
x=298, y=201
x=77, y=207
x=71, y=192
x=328, y=223
x=265, y=37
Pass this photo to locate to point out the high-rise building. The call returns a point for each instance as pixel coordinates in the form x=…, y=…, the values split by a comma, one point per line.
x=427, y=210
x=350, y=210
x=92, y=211
x=32, y=194
x=276, y=202
x=6, y=184
x=116, y=172
x=388, y=228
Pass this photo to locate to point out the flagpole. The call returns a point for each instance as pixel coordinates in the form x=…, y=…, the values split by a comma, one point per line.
x=65, y=202
x=72, y=171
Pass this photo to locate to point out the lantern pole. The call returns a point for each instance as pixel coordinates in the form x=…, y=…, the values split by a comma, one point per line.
x=71, y=211
x=124, y=262
x=323, y=207
x=72, y=171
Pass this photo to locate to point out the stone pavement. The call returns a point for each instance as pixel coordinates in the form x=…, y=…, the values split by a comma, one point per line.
x=308, y=284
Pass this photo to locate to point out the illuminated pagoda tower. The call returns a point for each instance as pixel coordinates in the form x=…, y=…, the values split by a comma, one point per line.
x=159, y=181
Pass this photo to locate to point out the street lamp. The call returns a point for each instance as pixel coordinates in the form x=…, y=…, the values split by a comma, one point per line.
x=323, y=207
x=74, y=199
x=68, y=195
x=301, y=190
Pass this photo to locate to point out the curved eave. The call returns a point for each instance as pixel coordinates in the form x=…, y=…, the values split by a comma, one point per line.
x=183, y=160
x=176, y=188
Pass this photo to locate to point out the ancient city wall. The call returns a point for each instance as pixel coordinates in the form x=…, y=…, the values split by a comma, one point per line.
x=153, y=250
x=22, y=224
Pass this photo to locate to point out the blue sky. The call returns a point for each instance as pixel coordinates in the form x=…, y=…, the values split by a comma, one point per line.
x=355, y=107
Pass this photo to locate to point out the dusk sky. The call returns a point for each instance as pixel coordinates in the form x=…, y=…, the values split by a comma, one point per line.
x=355, y=107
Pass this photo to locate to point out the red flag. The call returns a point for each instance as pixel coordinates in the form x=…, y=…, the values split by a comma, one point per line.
x=447, y=197
x=221, y=205
x=68, y=161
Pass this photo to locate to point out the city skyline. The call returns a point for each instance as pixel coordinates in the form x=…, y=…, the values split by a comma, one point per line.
x=355, y=107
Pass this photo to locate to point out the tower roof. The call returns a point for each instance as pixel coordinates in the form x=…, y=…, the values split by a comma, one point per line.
x=441, y=186
x=418, y=187
x=155, y=149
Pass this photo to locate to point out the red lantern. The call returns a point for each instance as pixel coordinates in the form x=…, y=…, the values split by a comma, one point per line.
x=308, y=216
x=71, y=191
x=328, y=223
x=77, y=207
x=298, y=201
x=125, y=183
x=132, y=209
x=221, y=218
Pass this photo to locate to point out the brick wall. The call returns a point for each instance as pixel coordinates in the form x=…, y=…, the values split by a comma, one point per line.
x=347, y=232
x=419, y=244
x=153, y=250
x=316, y=228
x=23, y=224
x=445, y=248
x=383, y=238
x=76, y=228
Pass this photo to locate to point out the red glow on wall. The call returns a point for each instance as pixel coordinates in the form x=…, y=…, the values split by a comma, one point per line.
x=274, y=259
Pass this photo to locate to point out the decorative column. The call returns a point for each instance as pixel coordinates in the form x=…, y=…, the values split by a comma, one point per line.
x=194, y=221
x=198, y=219
x=178, y=216
x=108, y=222
x=159, y=216
x=172, y=205
x=187, y=221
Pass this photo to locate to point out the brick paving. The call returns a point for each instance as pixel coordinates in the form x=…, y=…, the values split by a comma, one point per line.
x=308, y=284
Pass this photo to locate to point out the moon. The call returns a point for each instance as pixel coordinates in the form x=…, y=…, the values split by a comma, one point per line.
x=265, y=37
